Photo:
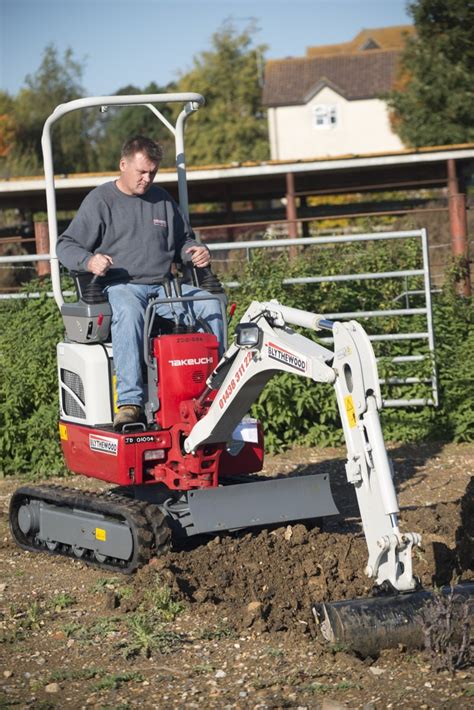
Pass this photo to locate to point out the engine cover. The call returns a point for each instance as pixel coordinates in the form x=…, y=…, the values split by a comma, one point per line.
x=184, y=362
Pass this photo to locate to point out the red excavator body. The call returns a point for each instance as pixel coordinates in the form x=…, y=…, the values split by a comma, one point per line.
x=155, y=454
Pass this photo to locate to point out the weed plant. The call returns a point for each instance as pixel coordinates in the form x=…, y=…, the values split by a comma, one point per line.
x=446, y=629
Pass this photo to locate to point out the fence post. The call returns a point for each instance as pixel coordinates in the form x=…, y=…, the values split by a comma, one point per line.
x=304, y=225
x=229, y=213
x=291, y=215
x=42, y=247
x=458, y=226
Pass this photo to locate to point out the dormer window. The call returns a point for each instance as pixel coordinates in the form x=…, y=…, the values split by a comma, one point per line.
x=370, y=44
x=325, y=116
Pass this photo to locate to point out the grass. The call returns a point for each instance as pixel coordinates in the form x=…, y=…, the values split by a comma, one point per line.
x=62, y=601
x=33, y=614
x=102, y=627
x=215, y=633
x=16, y=621
x=147, y=635
x=202, y=668
x=116, y=680
x=125, y=593
x=106, y=583
x=274, y=652
x=316, y=687
x=338, y=648
x=72, y=629
x=75, y=674
x=160, y=601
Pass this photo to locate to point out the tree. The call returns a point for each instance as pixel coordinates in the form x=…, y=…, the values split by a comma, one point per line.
x=122, y=122
x=7, y=125
x=232, y=126
x=433, y=103
x=55, y=82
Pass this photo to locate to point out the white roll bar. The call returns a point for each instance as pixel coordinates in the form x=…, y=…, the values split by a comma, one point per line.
x=192, y=102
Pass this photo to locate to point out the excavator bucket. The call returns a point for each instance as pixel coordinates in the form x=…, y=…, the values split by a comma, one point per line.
x=366, y=626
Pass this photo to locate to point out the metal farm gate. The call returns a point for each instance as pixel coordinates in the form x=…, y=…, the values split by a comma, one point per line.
x=425, y=335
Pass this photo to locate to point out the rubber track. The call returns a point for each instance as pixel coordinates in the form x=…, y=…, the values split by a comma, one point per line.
x=161, y=531
x=133, y=512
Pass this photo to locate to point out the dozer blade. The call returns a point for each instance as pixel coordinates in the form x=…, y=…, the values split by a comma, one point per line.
x=267, y=502
x=367, y=626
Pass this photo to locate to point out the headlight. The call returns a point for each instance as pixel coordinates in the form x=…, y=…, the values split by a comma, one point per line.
x=247, y=335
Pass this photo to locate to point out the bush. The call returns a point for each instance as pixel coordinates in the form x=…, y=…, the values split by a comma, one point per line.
x=294, y=413
x=29, y=330
x=292, y=410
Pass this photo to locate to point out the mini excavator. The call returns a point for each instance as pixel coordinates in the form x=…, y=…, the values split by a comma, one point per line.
x=188, y=469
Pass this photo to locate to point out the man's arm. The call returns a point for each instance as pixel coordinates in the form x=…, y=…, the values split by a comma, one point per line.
x=200, y=255
x=99, y=264
x=76, y=246
x=187, y=248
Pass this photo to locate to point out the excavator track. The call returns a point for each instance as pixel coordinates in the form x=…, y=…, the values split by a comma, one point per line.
x=107, y=531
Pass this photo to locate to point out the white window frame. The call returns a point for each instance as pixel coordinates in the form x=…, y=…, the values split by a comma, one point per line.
x=329, y=114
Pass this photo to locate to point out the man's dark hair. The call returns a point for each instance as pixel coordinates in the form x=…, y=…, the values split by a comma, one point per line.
x=142, y=144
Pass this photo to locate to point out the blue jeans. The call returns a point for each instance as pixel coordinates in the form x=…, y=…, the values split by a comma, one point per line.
x=129, y=302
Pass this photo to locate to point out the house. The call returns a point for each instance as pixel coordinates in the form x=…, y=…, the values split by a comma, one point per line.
x=331, y=101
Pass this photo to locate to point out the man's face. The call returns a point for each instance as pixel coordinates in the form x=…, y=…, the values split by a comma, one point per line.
x=137, y=174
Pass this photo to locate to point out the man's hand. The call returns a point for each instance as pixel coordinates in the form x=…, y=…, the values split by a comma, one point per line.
x=199, y=256
x=99, y=264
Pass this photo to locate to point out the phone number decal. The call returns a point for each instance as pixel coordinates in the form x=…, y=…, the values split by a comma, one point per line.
x=230, y=389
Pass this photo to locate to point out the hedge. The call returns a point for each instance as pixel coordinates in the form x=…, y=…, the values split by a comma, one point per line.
x=292, y=412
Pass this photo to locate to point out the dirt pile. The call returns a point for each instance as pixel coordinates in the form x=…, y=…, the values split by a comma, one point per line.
x=77, y=637
x=268, y=581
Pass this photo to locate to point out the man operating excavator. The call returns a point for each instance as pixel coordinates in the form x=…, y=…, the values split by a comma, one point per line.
x=128, y=232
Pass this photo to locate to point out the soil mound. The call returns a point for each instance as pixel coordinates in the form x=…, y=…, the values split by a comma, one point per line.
x=269, y=580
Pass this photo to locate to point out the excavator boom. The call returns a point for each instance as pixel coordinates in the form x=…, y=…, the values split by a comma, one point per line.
x=265, y=345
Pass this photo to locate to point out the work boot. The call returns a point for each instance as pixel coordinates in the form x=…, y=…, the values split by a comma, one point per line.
x=127, y=414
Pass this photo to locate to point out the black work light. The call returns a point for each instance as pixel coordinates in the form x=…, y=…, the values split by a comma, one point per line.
x=247, y=335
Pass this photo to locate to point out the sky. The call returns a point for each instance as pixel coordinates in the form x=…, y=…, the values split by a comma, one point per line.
x=121, y=42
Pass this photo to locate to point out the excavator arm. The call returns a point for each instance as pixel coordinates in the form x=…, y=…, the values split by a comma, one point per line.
x=265, y=344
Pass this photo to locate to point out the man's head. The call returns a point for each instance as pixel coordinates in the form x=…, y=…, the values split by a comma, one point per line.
x=139, y=162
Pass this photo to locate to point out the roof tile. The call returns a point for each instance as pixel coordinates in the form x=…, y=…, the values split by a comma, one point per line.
x=356, y=75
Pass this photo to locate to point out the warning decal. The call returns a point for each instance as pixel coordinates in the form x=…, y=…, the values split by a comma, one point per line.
x=350, y=410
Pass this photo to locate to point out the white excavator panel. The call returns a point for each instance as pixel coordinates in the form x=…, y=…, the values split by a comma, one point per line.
x=85, y=392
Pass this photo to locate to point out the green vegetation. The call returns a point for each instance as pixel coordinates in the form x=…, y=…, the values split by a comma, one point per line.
x=62, y=601
x=218, y=632
x=30, y=329
x=116, y=680
x=313, y=418
x=105, y=681
x=75, y=674
x=56, y=81
x=147, y=635
x=433, y=102
x=120, y=122
x=233, y=127
x=18, y=621
x=159, y=600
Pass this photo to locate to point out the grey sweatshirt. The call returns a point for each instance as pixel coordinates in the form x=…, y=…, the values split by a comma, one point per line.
x=143, y=234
